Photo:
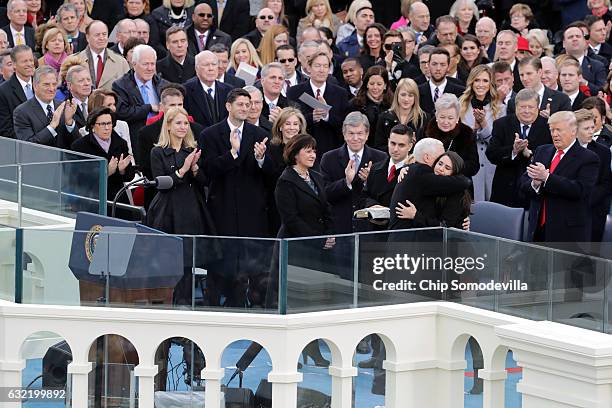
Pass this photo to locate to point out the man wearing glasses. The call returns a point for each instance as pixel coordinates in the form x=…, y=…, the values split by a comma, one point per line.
x=203, y=34
x=285, y=54
x=264, y=20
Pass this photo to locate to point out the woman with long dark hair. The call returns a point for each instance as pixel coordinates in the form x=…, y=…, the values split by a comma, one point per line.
x=472, y=55
x=372, y=52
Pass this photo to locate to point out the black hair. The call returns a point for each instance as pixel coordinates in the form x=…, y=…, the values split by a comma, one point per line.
x=96, y=113
x=235, y=93
x=295, y=144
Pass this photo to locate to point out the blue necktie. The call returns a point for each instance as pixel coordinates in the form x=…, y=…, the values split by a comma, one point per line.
x=210, y=92
x=49, y=113
x=28, y=91
x=144, y=91
x=239, y=136
x=357, y=161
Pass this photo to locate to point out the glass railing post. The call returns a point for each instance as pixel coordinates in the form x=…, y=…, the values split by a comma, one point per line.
x=356, y=271
x=18, y=265
x=283, y=260
x=497, y=275
x=19, y=192
x=550, y=272
x=102, y=188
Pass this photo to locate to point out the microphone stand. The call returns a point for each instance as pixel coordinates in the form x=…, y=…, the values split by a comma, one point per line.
x=123, y=190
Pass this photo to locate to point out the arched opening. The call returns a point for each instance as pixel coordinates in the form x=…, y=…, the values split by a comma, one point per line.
x=473, y=385
x=369, y=384
x=514, y=374
x=112, y=382
x=313, y=363
x=247, y=365
x=47, y=356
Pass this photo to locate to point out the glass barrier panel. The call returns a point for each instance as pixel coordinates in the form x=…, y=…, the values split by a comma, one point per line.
x=112, y=384
x=9, y=196
x=321, y=273
x=14, y=151
x=7, y=263
x=8, y=151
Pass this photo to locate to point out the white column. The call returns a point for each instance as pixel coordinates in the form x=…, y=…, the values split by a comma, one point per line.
x=80, y=389
x=342, y=386
x=494, y=389
x=212, y=396
x=10, y=377
x=452, y=378
x=284, y=388
x=146, y=385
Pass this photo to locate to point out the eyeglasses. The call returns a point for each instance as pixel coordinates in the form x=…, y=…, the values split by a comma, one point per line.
x=205, y=15
x=266, y=17
x=104, y=124
x=286, y=60
x=390, y=46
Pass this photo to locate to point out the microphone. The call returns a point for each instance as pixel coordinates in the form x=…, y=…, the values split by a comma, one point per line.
x=246, y=360
x=160, y=182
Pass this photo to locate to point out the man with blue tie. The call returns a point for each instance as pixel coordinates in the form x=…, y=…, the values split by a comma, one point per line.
x=17, y=89
x=138, y=91
x=272, y=81
x=42, y=119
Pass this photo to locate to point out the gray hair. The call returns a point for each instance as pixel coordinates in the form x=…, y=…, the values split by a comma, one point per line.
x=551, y=60
x=253, y=90
x=308, y=44
x=3, y=34
x=75, y=69
x=121, y=25
x=66, y=7
x=509, y=32
x=205, y=53
x=413, y=6
x=219, y=48
x=9, y=5
x=448, y=101
x=455, y=8
x=355, y=119
x=525, y=95
x=140, y=20
x=489, y=20
x=564, y=116
x=425, y=49
x=425, y=146
x=266, y=68
x=139, y=50
x=43, y=70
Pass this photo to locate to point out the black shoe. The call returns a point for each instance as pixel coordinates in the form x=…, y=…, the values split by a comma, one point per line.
x=363, y=347
x=369, y=363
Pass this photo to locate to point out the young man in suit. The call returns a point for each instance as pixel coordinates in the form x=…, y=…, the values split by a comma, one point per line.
x=325, y=126
x=507, y=46
x=222, y=53
x=514, y=139
x=530, y=69
x=177, y=66
x=206, y=97
x=570, y=80
x=230, y=16
x=597, y=38
x=17, y=89
x=42, y=119
x=17, y=31
x=203, y=34
x=559, y=182
x=602, y=133
x=593, y=71
x=272, y=81
x=438, y=83
x=346, y=169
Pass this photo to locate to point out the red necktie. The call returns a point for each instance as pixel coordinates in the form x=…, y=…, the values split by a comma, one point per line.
x=553, y=166
x=201, y=36
x=318, y=93
x=391, y=174
x=99, y=70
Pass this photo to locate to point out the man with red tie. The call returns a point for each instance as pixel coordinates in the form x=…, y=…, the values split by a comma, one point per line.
x=559, y=182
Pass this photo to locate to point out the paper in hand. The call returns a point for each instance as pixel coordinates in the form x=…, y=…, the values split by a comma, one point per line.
x=247, y=72
x=313, y=102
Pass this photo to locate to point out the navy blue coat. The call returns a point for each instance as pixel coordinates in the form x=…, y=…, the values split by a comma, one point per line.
x=196, y=102
x=600, y=196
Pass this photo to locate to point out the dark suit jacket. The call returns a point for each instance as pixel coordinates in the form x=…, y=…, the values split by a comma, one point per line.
x=254, y=36
x=237, y=196
x=282, y=103
x=421, y=186
x=505, y=189
x=567, y=192
x=605, y=51
x=302, y=211
x=107, y=11
x=578, y=101
x=426, y=98
x=558, y=101
x=89, y=145
x=233, y=81
x=215, y=36
x=29, y=39
x=595, y=73
x=172, y=71
x=518, y=85
x=31, y=122
x=377, y=190
x=131, y=106
x=345, y=201
x=327, y=133
x=79, y=43
x=491, y=51
x=600, y=196
x=234, y=21
x=266, y=125
x=11, y=96
x=198, y=103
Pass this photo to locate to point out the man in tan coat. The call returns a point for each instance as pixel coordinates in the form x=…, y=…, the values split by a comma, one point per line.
x=105, y=65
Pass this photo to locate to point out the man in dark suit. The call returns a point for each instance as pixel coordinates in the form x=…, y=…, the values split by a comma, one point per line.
x=286, y=55
x=597, y=38
x=602, y=191
x=79, y=82
x=446, y=32
x=67, y=18
x=138, y=91
x=506, y=46
x=203, y=34
x=513, y=141
x=222, y=53
x=6, y=66
x=421, y=187
x=531, y=76
x=559, y=183
x=593, y=71
x=16, y=90
x=44, y=120
x=255, y=117
x=325, y=126
x=206, y=97
x=233, y=19
x=177, y=66
x=420, y=21
x=125, y=29
x=504, y=80
x=17, y=32
x=107, y=11
x=263, y=21
x=570, y=80
x=272, y=81
x=345, y=171
x=602, y=133
x=438, y=83
x=352, y=73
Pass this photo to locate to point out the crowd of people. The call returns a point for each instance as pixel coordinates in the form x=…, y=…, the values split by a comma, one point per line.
x=463, y=101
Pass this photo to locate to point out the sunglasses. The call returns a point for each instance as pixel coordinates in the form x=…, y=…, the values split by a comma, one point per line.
x=205, y=15
x=389, y=47
x=285, y=60
x=266, y=17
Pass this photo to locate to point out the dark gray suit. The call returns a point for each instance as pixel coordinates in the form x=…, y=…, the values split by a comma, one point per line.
x=30, y=122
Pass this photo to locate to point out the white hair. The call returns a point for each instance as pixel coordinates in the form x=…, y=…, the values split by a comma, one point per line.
x=448, y=101
x=566, y=117
x=487, y=20
x=425, y=146
x=205, y=53
x=139, y=50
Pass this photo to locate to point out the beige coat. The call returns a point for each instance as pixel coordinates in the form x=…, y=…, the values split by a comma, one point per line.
x=115, y=66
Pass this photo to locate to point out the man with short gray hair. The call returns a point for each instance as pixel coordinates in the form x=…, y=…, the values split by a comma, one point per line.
x=272, y=81
x=255, y=116
x=486, y=30
x=6, y=66
x=67, y=17
x=78, y=81
x=420, y=188
x=345, y=170
x=17, y=31
x=126, y=28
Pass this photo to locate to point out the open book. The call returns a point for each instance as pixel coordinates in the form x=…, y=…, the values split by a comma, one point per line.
x=375, y=213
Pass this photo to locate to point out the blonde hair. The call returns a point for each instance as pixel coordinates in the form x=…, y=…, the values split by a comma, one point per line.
x=356, y=5
x=168, y=3
x=254, y=59
x=541, y=37
x=524, y=9
x=69, y=62
x=165, y=139
x=286, y=113
x=583, y=115
x=147, y=6
x=310, y=18
x=416, y=116
x=466, y=98
x=267, y=48
x=51, y=34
